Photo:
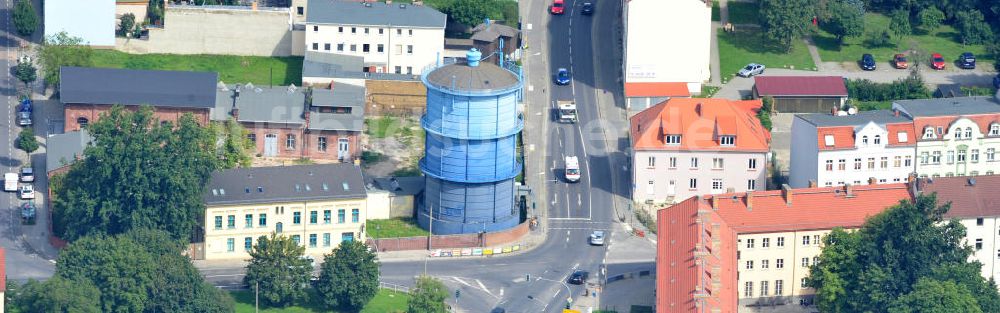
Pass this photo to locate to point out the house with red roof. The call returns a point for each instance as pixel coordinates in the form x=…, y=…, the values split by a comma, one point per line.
x=685, y=147
x=802, y=94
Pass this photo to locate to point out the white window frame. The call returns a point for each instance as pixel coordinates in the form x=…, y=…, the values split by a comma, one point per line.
x=672, y=140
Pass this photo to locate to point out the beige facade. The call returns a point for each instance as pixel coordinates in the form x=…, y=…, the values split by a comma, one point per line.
x=773, y=267
x=319, y=226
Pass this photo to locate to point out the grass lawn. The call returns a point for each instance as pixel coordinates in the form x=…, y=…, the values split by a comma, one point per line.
x=707, y=91
x=943, y=40
x=232, y=69
x=745, y=45
x=385, y=301
x=393, y=228
x=743, y=12
x=381, y=127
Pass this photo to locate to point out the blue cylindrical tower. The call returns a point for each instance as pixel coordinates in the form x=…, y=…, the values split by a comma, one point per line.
x=470, y=157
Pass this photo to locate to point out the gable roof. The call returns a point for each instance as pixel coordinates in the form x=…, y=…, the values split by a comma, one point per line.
x=947, y=106
x=490, y=31
x=285, y=183
x=656, y=90
x=970, y=197
x=697, y=121
x=64, y=149
x=815, y=86
x=279, y=104
x=880, y=117
x=342, y=95
x=373, y=13
x=177, y=89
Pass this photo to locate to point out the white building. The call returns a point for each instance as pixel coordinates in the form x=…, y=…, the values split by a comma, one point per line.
x=667, y=49
x=831, y=150
x=957, y=136
x=92, y=21
x=393, y=38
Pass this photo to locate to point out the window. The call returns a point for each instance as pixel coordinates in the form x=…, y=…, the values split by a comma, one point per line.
x=672, y=162
x=717, y=184
x=816, y=240
x=727, y=140
x=380, y=48
x=871, y=163
x=409, y=70
x=902, y=137
x=694, y=162
x=315, y=46
x=327, y=217
x=398, y=70
x=290, y=142
x=354, y=30
x=381, y=31
x=877, y=140
x=297, y=239
x=750, y=243
x=749, y=265
x=409, y=32
x=951, y=157
x=958, y=133
x=249, y=220
x=278, y=227
x=218, y=222
x=326, y=236
x=924, y=158
x=262, y=220
x=312, y=237
x=857, y=163
x=994, y=129
x=908, y=161
x=693, y=183
x=929, y=132
x=897, y=161
x=803, y=283
x=399, y=49
x=991, y=154
x=672, y=139
x=326, y=46
x=805, y=240
x=765, y=242
x=864, y=140
x=321, y=143
x=961, y=156
x=751, y=184
x=968, y=133
x=230, y=244
x=366, y=30
x=366, y=48
x=313, y=217
x=315, y=28
x=780, y=242
x=763, y=288
x=300, y=11
x=752, y=164
x=884, y=162
x=779, y=287
x=341, y=216
x=979, y=244
x=409, y=49
x=764, y=264
x=979, y=221
x=779, y=264
x=652, y=162
x=936, y=157
x=296, y=218
x=815, y=260
x=828, y=140
x=748, y=289
x=805, y=262
x=355, y=215
x=247, y=243
x=354, y=48
x=340, y=29
x=829, y=165
x=974, y=156
x=231, y=222
x=399, y=31
x=718, y=163
x=841, y=165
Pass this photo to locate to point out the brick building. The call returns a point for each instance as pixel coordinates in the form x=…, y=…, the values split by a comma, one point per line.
x=87, y=93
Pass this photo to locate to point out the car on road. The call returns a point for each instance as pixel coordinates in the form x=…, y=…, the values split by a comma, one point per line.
x=27, y=174
x=498, y=310
x=26, y=192
x=587, y=8
x=562, y=76
x=23, y=118
x=996, y=81
x=867, y=62
x=751, y=70
x=967, y=61
x=937, y=61
x=597, y=238
x=572, y=169
x=899, y=61
x=558, y=7
x=579, y=277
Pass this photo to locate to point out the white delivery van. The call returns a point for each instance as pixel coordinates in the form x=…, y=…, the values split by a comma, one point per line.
x=10, y=182
x=572, y=169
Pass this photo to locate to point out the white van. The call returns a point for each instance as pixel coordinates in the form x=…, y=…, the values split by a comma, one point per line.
x=572, y=169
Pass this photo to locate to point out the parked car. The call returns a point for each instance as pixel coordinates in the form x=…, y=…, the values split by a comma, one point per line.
x=751, y=69
x=967, y=61
x=587, y=9
x=899, y=61
x=498, y=310
x=27, y=174
x=867, y=62
x=27, y=192
x=579, y=277
x=937, y=61
x=996, y=81
x=562, y=76
x=558, y=7
x=24, y=112
x=597, y=238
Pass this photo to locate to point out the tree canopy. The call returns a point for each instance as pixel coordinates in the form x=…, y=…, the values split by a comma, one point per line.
x=278, y=269
x=471, y=12
x=61, y=50
x=847, y=18
x=786, y=20
x=56, y=294
x=428, y=296
x=348, y=276
x=25, y=18
x=896, y=260
x=25, y=72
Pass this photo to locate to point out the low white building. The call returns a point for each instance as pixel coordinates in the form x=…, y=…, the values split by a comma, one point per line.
x=956, y=136
x=830, y=150
x=396, y=38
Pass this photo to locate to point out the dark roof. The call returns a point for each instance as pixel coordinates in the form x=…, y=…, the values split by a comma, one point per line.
x=800, y=86
x=462, y=77
x=63, y=149
x=950, y=90
x=403, y=186
x=491, y=31
x=321, y=64
x=342, y=95
x=92, y=85
x=967, y=200
x=376, y=14
x=880, y=117
x=279, y=104
x=285, y=183
x=948, y=106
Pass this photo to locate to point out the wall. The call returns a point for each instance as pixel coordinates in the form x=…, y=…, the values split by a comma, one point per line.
x=652, y=54
x=802, y=166
x=791, y=274
x=137, y=9
x=93, y=111
x=734, y=174
x=192, y=30
x=452, y=241
x=988, y=233
x=807, y=104
x=982, y=143
x=427, y=44
x=386, y=96
x=379, y=204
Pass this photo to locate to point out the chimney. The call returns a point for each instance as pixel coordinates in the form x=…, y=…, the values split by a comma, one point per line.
x=786, y=192
x=872, y=180
x=895, y=112
x=812, y=183
x=715, y=202
x=749, y=200
x=697, y=109
x=849, y=191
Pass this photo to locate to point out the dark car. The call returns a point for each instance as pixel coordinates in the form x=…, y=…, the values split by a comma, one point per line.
x=498, y=310
x=967, y=61
x=579, y=277
x=587, y=9
x=867, y=62
x=996, y=81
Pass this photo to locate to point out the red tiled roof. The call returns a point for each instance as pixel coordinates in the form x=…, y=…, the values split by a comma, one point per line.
x=800, y=86
x=896, y=129
x=967, y=200
x=982, y=120
x=697, y=121
x=656, y=90
x=843, y=137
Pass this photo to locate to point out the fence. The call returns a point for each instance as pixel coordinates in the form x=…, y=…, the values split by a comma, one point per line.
x=394, y=287
x=451, y=241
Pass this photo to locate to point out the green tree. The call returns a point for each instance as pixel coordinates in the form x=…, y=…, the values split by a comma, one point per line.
x=58, y=295
x=930, y=19
x=60, y=50
x=126, y=25
x=933, y=296
x=235, y=149
x=154, y=12
x=138, y=173
x=899, y=23
x=847, y=18
x=471, y=12
x=25, y=18
x=25, y=72
x=764, y=113
x=972, y=29
x=348, y=276
x=428, y=296
x=26, y=140
x=786, y=20
x=278, y=269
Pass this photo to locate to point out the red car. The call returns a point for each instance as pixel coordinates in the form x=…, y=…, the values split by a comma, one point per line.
x=899, y=61
x=937, y=61
x=557, y=7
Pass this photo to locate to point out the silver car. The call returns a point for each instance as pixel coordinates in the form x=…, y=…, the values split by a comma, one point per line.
x=597, y=238
x=751, y=70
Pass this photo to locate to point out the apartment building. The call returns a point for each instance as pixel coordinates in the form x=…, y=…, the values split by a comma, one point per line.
x=685, y=147
x=835, y=150
x=396, y=38
x=955, y=136
x=750, y=251
x=318, y=206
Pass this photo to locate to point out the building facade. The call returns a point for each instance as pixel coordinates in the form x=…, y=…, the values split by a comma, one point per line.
x=802, y=94
x=318, y=206
x=955, y=136
x=835, y=150
x=392, y=37
x=686, y=147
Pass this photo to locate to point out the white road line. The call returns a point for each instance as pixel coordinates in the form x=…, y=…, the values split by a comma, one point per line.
x=484, y=287
x=576, y=228
x=568, y=219
x=461, y=281
x=579, y=202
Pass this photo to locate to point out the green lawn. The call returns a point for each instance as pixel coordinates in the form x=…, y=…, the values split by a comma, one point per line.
x=743, y=12
x=394, y=228
x=385, y=301
x=232, y=69
x=381, y=127
x=707, y=91
x=943, y=41
x=745, y=45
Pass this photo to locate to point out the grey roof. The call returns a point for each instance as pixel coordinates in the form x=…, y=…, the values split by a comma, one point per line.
x=279, y=104
x=460, y=76
x=403, y=186
x=63, y=149
x=342, y=95
x=321, y=64
x=491, y=31
x=880, y=117
x=948, y=106
x=285, y=183
x=136, y=87
x=376, y=14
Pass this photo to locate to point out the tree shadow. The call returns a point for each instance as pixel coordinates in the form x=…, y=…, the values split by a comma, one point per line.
x=753, y=41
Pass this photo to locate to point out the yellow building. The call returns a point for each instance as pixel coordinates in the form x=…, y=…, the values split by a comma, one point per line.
x=317, y=205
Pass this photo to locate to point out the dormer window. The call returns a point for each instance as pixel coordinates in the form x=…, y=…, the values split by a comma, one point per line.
x=864, y=140
x=968, y=133
x=958, y=133
x=995, y=129
x=902, y=137
x=727, y=140
x=672, y=140
x=828, y=140
x=929, y=133
x=878, y=139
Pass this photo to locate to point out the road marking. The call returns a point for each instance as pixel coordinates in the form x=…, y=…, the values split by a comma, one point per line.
x=461, y=281
x=555, y=198
x=484, y=287
x=528, y=27
x=531, y=87
x=576, y=228
x=579, y=202
x=569, y=218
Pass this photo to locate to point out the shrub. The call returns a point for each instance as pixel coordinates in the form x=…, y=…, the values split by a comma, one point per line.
x=911, y=87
